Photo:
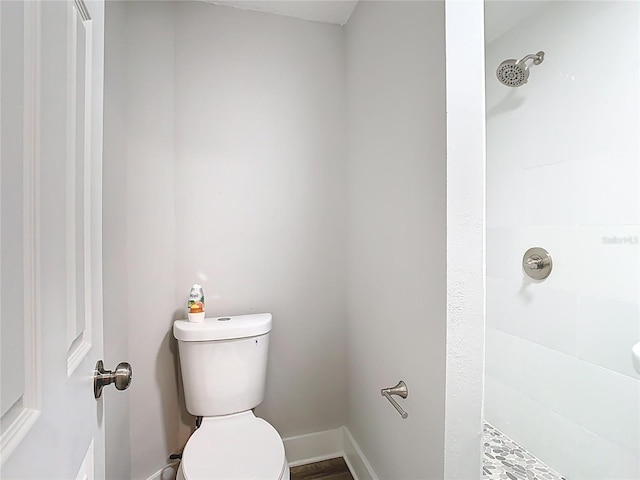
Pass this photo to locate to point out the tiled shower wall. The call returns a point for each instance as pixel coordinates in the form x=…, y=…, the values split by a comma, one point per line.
x=563, y=173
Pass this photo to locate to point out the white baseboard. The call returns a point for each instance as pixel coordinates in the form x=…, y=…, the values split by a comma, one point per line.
x=310, y=448
x=318, y=446
x=313, y=447
x=356, y=461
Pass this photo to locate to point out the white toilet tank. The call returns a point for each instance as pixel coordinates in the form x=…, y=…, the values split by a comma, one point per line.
x=223, y=362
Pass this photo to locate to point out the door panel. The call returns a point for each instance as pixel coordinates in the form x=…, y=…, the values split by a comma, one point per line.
x=51, y=283
x=79, y=63
x=20, y=399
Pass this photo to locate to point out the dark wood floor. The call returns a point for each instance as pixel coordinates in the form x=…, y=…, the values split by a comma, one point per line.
x=334, y=469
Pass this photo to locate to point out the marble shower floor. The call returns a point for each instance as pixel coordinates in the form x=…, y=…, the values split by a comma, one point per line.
x=504, y=459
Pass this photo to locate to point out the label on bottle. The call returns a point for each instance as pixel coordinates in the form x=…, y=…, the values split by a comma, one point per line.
x=196, y=299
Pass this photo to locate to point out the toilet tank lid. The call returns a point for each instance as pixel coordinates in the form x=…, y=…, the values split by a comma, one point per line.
x=222, y=328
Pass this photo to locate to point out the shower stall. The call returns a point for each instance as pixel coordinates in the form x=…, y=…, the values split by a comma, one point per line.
x=562, y=397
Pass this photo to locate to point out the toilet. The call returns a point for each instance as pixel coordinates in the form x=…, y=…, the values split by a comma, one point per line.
x=224, y=365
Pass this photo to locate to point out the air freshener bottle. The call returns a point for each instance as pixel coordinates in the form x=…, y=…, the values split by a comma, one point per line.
x=196, y=304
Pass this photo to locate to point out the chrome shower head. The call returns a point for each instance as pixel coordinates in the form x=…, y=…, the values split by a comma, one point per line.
x=515, y=73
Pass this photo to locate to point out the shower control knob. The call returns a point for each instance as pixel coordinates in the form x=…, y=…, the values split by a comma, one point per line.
x=537, y=263
x=534, y=262
x=121, y=377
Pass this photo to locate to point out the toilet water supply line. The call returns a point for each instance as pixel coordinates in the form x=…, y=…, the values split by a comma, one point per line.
x=178, y=456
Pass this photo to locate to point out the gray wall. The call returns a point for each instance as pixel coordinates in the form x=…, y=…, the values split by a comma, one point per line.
x=226, y=168
x=140, y=232
x=233, y=173
x=114, y=227
x=155, y=426
x=260, y=193
x=397, y=233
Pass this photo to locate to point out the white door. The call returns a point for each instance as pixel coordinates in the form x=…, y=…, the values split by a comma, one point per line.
x=51, y=252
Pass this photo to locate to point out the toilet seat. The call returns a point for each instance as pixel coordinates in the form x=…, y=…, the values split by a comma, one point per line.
x=234, y=447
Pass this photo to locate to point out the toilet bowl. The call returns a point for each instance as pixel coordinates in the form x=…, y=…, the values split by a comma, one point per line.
x=223, y=363
x=234, y=447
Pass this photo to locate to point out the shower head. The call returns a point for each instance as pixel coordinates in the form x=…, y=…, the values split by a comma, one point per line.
x=515, y=73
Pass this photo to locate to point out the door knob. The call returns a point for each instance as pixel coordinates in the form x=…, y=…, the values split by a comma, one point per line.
x=101, y=377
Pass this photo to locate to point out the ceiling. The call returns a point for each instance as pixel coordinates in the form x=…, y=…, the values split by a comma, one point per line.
x=325, y=11
x=500, y=15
